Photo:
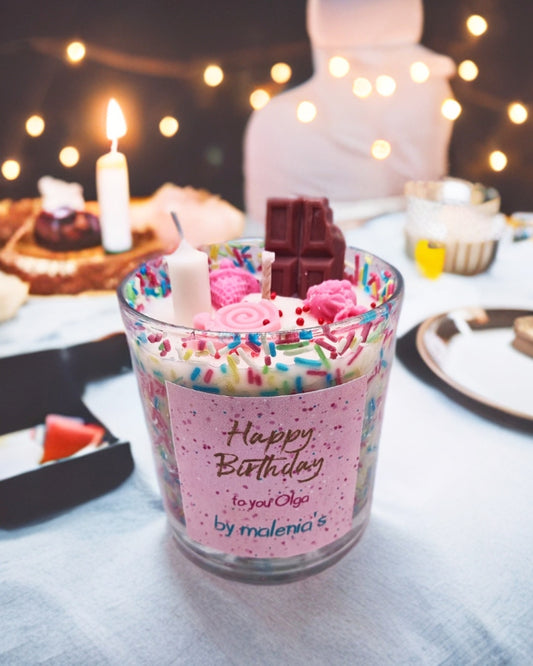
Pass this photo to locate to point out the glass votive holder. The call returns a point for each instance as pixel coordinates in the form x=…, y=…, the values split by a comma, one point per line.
x=460, y=216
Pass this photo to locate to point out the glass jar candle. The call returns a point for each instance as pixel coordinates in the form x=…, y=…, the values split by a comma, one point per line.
x=265, y=442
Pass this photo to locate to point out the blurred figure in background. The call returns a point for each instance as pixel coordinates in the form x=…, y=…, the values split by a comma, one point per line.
x=331, y=155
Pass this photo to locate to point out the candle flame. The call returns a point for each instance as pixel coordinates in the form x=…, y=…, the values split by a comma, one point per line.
x=116, y=123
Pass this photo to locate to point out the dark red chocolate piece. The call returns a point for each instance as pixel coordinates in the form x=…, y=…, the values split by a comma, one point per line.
x=66, y=229
x=309, y=248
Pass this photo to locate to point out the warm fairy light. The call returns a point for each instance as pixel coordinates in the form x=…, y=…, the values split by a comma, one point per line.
x=338, y=66
x=280, y=72
x=497, y=160
x=69, y=156
x=76, y=51
x=10, y=169
x=168, y=126
x=385, y=85
x=35, y=126
x=419, y=72
x=361, y=87
x=517, y=113
x=468, y=70
x=451, y=109
x=380, y=149
x=306, y=112
x=476, y=25
x=116, y=123
x=259, y=98
x=213, y=75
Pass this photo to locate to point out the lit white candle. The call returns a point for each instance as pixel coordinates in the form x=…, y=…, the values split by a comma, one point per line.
x=112, y=187
x=188, y=272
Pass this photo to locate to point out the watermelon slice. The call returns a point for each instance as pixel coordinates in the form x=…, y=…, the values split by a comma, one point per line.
x=66, y=435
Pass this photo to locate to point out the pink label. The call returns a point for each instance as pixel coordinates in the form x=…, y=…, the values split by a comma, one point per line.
x=272, y=476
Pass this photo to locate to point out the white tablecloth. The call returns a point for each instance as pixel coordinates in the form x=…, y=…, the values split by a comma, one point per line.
x=443, y=574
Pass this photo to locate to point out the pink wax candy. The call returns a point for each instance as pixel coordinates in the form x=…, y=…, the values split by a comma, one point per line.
x=259, y=316
x=229, y=284
x=333, y=300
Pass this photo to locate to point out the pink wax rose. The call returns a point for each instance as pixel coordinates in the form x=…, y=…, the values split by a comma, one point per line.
x=333, y=300
x=229, y=284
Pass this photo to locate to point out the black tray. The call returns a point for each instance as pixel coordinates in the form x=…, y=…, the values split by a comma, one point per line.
x=52, y=381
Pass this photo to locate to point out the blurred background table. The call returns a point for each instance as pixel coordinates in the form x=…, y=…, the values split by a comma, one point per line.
x=441, y=576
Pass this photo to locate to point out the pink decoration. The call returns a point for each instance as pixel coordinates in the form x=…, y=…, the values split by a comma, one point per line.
x=203, y=320
x=333, y=300
x=229, y=284
x=245, y=316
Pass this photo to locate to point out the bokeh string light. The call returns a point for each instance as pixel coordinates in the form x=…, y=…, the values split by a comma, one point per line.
x=76, y=52
x=281, y=72
x=380, y=149
x=306, y=111
x=213, y=75
x=10, y=169
x=476, y=25
x=498, y=160
x=69, y=156
x=338, y=67
x=168, y=126
x=419, y=72
x=468, y=70
x=35, y=125
x=385, y=85
x=517, y=113
x=361, y=87
x=259, y=98
x=451, y=109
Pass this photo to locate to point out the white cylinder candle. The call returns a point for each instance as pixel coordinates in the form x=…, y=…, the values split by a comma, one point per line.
x=112, y=187
x=188, y=272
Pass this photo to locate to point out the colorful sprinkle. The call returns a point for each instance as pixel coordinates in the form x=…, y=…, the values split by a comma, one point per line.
x=323, y=358
x=307, y=361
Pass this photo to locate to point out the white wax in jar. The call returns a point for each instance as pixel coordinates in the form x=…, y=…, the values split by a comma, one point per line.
x=188, y=272
x=113, y=191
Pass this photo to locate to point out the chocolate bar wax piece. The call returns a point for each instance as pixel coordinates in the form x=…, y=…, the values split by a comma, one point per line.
x=322, y=241
x=314, y=270
x=303, y=229
x=284, y=273
x=283, y=226
x=316, y=220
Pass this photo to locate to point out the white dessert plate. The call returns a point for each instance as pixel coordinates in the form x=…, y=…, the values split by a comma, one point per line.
x=470, y=349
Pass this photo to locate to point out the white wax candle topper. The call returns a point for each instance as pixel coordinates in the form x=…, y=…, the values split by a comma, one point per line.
x=112, y=187
x=188, y=272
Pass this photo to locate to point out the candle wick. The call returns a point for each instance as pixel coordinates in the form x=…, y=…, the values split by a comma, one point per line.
x=177, y=223
x=114, y=145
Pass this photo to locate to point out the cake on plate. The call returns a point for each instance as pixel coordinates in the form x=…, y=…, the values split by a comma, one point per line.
x=54, y=244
